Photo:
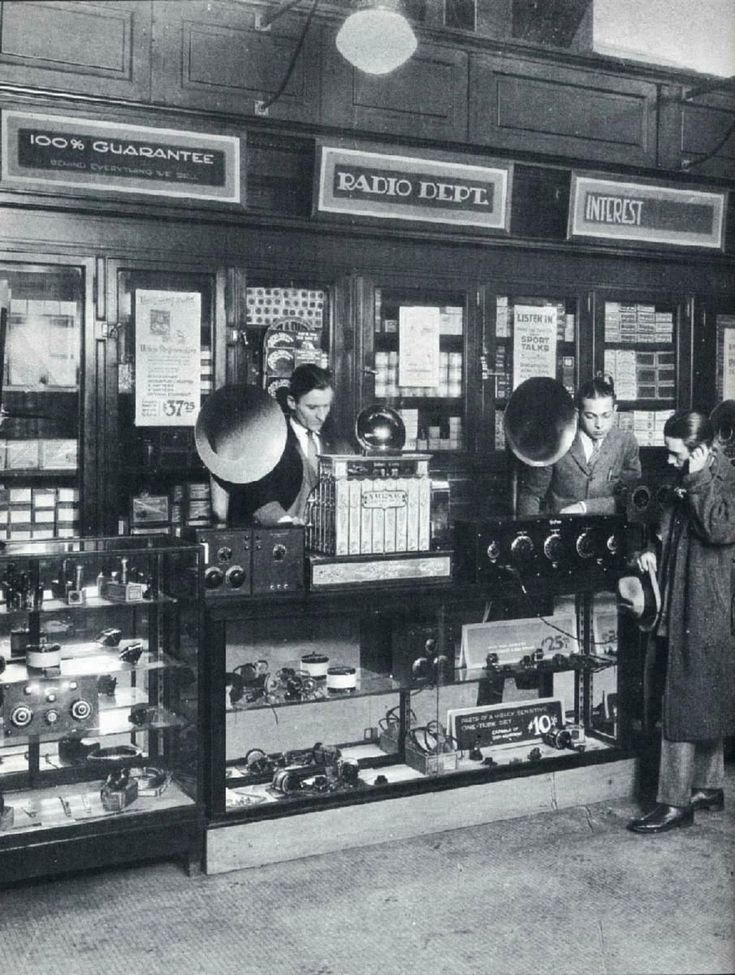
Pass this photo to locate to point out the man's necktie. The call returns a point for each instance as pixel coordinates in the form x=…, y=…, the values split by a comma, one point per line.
x=312, y=454
x=596, y=444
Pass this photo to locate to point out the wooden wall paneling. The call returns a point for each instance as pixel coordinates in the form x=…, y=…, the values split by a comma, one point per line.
x=705, y=123
x=539, y=107
x=100, y=48
x=669, y=127
x=426, y=98
x=208, y=55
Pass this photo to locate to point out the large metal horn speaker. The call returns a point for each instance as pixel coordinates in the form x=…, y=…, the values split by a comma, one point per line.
x=540, y=421
x=723, y=420
x=240, y=434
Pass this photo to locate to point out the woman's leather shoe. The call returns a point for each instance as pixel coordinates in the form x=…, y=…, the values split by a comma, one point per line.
x=707, y=799
x=662, y=818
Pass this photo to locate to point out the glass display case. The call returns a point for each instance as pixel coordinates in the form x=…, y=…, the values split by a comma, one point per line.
x=329, y=699
x=42, y=330
x=99, y=720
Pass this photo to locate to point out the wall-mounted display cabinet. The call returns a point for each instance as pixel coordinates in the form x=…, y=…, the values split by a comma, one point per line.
x=99, y=703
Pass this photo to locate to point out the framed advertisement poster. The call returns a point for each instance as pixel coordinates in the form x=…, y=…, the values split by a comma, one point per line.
x=167, y=358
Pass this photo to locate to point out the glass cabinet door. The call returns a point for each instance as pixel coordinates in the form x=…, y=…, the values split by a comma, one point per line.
x=642, y=337
x=529, y=335
x=419, y=343
x=41, y=416
x=165, y=371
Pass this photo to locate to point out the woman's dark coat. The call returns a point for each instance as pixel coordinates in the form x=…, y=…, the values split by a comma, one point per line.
x=698, y=545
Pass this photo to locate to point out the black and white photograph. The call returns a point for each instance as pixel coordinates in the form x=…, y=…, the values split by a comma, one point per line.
x=367, y=487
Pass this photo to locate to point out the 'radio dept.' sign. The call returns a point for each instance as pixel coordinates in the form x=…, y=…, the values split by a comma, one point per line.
x=365, y=184
x=395, y=187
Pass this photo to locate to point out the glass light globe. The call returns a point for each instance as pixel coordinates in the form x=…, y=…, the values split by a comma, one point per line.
x=376, y=40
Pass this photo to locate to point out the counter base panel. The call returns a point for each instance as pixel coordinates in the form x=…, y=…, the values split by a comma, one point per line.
x=242, y=845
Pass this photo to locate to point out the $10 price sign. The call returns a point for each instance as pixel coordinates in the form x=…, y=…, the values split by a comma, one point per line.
x=505, y=724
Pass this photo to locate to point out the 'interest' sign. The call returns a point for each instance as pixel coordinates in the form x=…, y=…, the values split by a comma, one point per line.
x=614, y=210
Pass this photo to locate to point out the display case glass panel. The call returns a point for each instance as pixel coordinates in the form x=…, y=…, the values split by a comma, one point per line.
x=327, y=701
x=99, y=641
x=43, y=309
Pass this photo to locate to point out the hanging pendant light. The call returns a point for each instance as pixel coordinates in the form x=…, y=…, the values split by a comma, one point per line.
x=377, y=38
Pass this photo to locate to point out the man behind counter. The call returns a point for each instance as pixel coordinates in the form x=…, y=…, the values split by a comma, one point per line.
x=280, y=497
x=601, y=457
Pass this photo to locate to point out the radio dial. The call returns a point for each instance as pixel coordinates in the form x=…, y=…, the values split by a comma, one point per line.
x=80, y=710
x=224, y=554
x=235, y=576
x=21, y=716
x=279, y=553
x=522, y=548
x=585, y=545
x=213, y=577
x=553, y=548
x=493, y=551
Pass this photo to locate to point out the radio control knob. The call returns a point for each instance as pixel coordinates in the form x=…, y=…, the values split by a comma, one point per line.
x=585, y=545
x=81, y=710
x=21, y=716
x=522, y=548
x=279, y=553
x=50, y=697
x=613, y=545
x=235, y=576
x=493, y=550
x=224, y=554
x=213, y=577
x=553, y=548
x=51, y=716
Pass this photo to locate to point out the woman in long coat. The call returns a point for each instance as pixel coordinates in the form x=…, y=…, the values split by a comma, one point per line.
x=694, y=632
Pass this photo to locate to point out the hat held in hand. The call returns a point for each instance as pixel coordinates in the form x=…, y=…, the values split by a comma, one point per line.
x=640, y=597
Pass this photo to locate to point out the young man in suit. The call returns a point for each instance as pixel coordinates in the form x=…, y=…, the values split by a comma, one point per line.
x=601, y=457
x=281, y=496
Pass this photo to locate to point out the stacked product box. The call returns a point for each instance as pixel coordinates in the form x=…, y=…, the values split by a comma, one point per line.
x=206, y=372
x=38, y=513
x=268, y=305
x=371, y=505
x=502, y=317
x=648, y=426
x=499, y=430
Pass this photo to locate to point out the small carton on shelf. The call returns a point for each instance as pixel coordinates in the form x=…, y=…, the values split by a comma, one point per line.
x=22, y=455
x=59, y=454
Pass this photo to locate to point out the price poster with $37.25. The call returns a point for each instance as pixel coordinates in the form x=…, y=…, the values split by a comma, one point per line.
x=167, y=358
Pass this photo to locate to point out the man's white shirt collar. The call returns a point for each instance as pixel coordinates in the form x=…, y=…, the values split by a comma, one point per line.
x=302, y=435
x=588, y=443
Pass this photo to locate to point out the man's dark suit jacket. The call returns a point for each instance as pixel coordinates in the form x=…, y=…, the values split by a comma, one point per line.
x=269, y=499
x=572, y=479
